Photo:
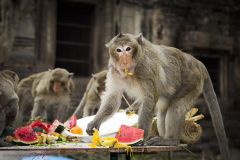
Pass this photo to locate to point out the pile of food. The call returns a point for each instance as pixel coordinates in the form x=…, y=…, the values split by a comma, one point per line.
x=38, y=132
x=121, y=135
x=126, y=136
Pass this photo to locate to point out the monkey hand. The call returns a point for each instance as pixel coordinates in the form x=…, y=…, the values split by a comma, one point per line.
x=91, y=126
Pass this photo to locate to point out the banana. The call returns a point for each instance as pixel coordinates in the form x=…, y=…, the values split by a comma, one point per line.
x=108, y=142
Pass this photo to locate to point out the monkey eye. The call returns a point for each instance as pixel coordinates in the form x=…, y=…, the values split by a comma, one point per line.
x=119, y=50
x=128, y=48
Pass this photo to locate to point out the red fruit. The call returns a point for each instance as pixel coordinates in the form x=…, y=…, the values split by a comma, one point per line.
x=40, y=124
x=25, y=135
x=129, y=135
x=72, y=122
x=54, y=126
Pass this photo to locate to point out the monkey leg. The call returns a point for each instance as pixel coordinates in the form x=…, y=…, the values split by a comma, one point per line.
x=38, y=110
x=62, y=112
x=146, y=115
x=161, y=107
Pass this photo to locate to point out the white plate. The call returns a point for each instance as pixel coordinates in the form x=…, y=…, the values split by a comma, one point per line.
x=109, y=128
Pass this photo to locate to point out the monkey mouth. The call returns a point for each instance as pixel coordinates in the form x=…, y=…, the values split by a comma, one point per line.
x=128, y=71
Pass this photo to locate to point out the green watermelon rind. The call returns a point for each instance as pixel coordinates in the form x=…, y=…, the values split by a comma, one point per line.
x=20, y=142
x=133, y=142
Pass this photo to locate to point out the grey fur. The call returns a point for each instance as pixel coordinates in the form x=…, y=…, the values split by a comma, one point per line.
x=8, y=100
x=160, y=73
x=90, y=101
x=37, y=95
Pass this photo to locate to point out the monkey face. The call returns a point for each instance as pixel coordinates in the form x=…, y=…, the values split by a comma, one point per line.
x=59, y=82
x=125, y=56
x=123, y=50
x=57, y=86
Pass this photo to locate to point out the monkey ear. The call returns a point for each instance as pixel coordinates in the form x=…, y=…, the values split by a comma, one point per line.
x=110, y=42
x=119, y=35
x=70, y=75
x=107, y=44
x=140, y=38
x=94, y=76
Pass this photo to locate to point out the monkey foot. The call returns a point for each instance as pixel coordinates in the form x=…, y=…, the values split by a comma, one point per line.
x=159, y=141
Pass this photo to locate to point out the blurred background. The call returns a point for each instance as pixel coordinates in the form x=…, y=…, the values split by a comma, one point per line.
x=36, y=35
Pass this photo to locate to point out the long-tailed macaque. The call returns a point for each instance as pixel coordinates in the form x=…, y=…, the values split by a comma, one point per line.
x=8, y=100
x=50, y=94
x=91, y=99
x=160, y=76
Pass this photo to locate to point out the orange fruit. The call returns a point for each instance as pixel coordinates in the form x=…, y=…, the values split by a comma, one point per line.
x=76, y=130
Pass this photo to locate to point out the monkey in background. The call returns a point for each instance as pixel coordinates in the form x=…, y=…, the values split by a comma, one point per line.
x=50, y=94
x=157, y=76
x=91, y=100
x=8, y=100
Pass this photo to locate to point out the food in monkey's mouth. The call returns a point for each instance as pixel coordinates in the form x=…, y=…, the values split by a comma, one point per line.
x=127, y=73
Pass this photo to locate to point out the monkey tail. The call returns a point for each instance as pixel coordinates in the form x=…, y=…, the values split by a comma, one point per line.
x=212, y=102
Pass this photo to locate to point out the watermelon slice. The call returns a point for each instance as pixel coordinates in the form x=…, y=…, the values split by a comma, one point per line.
x=39, y=124
x=72, y=122
x=56, y=127
x=129, y=135
x=25, y=135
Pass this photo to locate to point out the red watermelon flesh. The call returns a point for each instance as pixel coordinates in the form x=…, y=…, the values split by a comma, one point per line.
x=25, y=135
x=40, y=124
x=54, y=126
x=129, y=135
x=72, y=122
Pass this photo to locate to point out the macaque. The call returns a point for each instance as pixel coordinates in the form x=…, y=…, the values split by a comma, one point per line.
x=157, y=76
x=8, y=100
x=50, y=94
x=91, y=99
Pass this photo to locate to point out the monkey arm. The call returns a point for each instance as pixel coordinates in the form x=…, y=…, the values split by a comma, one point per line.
x=38, y=109
x=79, y=110
x=109, y=105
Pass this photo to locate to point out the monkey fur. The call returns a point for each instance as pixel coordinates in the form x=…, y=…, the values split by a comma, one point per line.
x=91, y=100
x=46, y=94
x=162, y=77
x=8, y=100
